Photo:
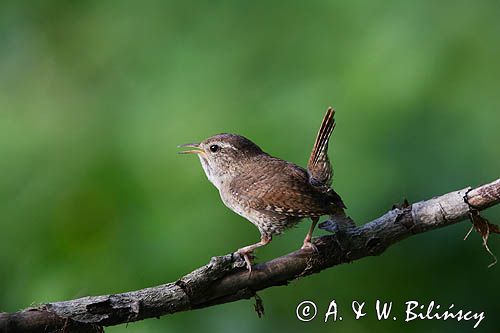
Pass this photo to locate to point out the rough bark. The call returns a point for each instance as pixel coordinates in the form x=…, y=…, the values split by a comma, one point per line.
x=225, y=279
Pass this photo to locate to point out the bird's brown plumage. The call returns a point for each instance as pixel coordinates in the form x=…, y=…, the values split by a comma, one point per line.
x=282, y=187
x=281, y=194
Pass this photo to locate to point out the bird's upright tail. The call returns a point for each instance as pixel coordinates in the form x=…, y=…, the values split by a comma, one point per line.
x=320, y=174
x=319, y=167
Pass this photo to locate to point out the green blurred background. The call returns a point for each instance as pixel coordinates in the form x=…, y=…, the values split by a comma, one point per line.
x=95, y=96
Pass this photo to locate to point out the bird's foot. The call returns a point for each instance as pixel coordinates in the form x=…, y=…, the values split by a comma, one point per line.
x=308, y=245
x=246, y=252
x=248, y=256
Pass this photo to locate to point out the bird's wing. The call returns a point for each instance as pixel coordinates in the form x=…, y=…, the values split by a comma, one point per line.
x=319, y=167
x=285, y=191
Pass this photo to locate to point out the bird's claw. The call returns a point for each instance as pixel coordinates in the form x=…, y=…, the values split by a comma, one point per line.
x=309, y=246
x=247, y=256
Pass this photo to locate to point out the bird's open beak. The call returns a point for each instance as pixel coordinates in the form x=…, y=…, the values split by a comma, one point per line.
x=192, y=151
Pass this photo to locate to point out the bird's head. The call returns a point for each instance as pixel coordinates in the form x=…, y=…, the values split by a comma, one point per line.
x=223, y=155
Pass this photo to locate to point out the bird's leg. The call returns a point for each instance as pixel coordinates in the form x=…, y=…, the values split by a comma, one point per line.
x=307, y=240
x=246, y=251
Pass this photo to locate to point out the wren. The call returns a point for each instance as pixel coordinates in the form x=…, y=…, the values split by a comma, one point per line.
x=272, y=193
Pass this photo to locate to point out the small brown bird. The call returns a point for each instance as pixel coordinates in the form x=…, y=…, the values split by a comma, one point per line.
x=272, y=193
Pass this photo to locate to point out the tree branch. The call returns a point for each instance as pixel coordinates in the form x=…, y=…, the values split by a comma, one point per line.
x=225, y=278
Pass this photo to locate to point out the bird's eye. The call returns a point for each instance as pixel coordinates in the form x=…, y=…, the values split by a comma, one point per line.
x=214, y=148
